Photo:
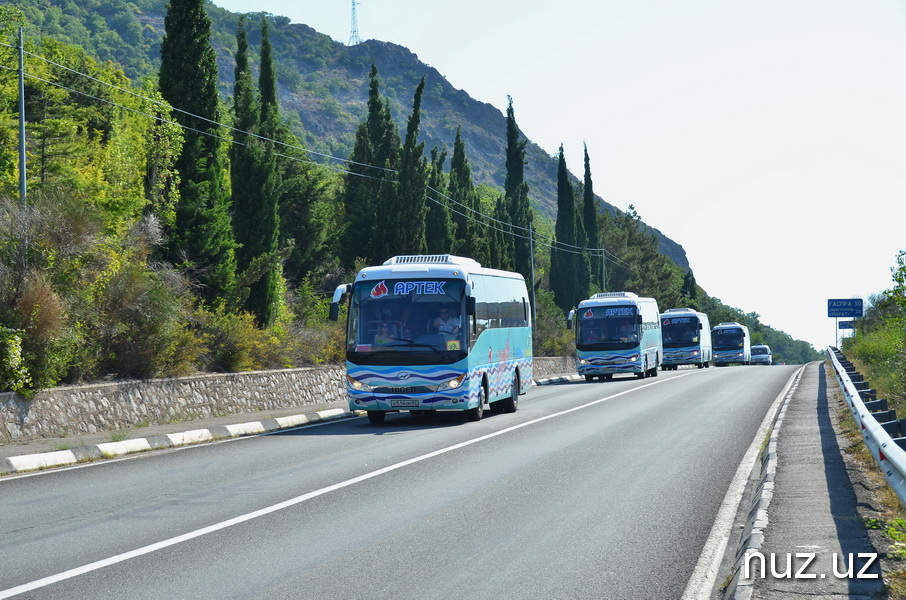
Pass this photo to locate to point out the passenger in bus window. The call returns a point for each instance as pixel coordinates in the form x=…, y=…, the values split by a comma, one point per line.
x=407, y=324
x=384, y=335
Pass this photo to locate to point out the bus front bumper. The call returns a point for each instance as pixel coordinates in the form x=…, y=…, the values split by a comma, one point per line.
x=600, y=366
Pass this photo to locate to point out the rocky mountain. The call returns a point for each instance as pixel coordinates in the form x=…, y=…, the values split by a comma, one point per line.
x=323, y=85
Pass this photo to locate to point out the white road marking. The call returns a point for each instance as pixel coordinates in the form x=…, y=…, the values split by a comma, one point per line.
x=100, y=564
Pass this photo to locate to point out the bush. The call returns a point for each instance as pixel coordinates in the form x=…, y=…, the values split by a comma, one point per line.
x=13, y=372
x=550, y=335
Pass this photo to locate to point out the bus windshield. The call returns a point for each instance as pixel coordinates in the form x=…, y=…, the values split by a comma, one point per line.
x=680, y=331
x=728, y=339
x=407, y=321
x=607, y=328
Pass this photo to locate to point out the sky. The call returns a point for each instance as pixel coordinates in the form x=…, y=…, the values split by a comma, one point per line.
x=767, y=138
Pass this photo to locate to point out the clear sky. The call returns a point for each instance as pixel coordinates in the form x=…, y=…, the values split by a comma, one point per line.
x=767, y=138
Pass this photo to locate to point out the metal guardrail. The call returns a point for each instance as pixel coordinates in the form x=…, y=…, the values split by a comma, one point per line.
x=887, y=450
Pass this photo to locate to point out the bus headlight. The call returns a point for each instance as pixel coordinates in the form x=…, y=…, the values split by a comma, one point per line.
x=582, y=361
x=452, y=384
x=633, y=358
x=358, y=385
x=695, y=353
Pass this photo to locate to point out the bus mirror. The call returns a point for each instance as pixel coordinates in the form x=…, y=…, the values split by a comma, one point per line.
x=639, y=319
x=471, y=305
x=700, y=327
x=569, y=319
x=342, y=290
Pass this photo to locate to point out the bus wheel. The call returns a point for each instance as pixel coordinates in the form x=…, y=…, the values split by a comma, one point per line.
x=475, y=414
x=376, y=417
x=607, y=377
x=509, y=405
x=589, y=378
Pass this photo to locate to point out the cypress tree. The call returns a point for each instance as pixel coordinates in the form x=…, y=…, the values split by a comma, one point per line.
x=202, y=237
x=377, y=143
x=590, y=212
x=438, y=224
x=470, y=233
x=516, y=190
x=265, y=291
x=401, y=229
x=501, y=237
x=245, y=151
x=256, y=184
x=562, y=278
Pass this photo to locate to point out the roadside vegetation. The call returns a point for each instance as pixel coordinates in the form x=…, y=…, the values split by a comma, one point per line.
x=878, y=348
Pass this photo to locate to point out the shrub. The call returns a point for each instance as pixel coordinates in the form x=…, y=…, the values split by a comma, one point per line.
x=13, y=372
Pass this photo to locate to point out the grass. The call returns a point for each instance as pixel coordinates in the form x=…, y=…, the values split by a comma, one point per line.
x=119, y=435
x=892, y=520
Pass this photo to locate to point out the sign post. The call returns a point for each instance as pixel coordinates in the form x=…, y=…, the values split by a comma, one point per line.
x=843, y=307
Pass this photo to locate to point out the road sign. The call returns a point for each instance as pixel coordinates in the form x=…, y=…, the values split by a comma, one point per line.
x=846, y=325
x=844, y=307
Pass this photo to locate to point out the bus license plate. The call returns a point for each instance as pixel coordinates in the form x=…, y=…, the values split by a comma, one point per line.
x=404, y=403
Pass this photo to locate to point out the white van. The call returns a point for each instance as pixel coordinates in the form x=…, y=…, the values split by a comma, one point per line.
x=761, y=355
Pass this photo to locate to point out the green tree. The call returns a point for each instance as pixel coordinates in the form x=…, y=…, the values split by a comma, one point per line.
x=370, y=179
x=201, y=238
x=590, y=212
x=569, y=271
x=438, y=224
x=255, y=187
x=470, y=233
x=501, y=238
x=516, y=191
x=402, y=213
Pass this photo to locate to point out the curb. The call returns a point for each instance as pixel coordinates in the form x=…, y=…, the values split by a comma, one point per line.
x=62, y=458
x=757, y=520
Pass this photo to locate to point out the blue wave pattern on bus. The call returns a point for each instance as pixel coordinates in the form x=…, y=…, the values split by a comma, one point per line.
x=681, y=355
x=494, y=355
x=729, y=355
x=392, y=376
x=609, y=362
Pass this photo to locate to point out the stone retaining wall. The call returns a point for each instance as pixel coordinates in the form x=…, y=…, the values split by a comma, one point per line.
x=116, y=406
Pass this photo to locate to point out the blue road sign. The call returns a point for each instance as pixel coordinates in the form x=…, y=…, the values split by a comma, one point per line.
x=846, y=325
x=844, y=307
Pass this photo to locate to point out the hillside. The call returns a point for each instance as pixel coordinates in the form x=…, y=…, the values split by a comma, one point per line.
x=323, y=85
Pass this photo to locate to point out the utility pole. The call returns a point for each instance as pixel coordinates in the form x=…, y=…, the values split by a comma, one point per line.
x=531, y=240
x=603, y=270
x=22, y=118
x=354, y=27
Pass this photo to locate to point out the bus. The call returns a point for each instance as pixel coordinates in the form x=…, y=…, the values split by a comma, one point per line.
x=732, y=344
x=435, y=332
x=617, y=332
x=687, y=338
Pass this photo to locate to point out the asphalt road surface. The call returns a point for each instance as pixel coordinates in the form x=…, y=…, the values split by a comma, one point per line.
x=590, y=490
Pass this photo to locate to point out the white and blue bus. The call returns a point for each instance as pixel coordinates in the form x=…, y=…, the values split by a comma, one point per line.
x=436, y=332
x=617, y=332
x=732, y=344
x=687, y=338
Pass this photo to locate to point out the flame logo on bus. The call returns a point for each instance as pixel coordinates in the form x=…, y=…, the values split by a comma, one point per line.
x=379, y=290
x=588, y=314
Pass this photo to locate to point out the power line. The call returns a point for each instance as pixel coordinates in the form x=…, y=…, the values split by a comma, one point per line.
x=486, y=220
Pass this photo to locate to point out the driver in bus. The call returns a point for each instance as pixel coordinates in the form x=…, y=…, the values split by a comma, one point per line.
x=446, y=324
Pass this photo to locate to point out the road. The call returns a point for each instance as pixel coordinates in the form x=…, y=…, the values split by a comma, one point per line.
x=590, y=490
